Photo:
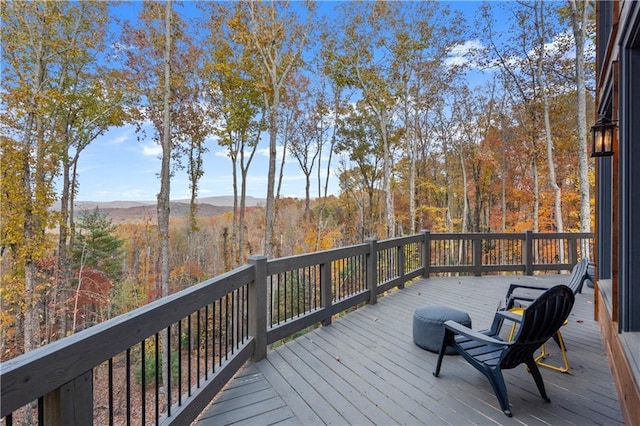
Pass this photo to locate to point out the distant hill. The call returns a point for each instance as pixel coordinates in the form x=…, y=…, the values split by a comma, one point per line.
x=138, y=211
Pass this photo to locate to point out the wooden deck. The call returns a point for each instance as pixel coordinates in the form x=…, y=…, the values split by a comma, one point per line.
x=365, y=369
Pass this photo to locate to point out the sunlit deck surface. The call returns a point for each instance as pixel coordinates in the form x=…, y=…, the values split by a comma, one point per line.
x=365, y=369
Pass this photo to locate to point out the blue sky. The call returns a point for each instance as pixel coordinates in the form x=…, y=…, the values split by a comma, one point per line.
x=119, y=166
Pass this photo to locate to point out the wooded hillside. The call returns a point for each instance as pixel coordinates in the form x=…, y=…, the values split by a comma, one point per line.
x=429, y=118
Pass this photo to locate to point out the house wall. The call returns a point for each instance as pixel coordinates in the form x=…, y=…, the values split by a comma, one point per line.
x=618, y=185
x=626, y=385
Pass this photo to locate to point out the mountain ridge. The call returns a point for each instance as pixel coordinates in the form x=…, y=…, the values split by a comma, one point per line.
x=139, y=211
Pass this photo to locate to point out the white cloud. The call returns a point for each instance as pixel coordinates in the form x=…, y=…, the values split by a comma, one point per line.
x=463, y=54
x=151, y=150
x=466, y=48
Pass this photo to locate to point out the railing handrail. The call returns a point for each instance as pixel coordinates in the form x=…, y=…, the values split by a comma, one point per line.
x=37, y=373
x=74, y=355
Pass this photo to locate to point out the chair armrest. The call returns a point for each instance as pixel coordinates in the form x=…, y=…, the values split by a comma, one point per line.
x=511, y=297
x=510, y=316
x=462, y=330
x=514, y=286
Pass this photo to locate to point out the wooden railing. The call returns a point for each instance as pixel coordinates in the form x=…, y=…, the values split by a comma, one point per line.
x=114, y=373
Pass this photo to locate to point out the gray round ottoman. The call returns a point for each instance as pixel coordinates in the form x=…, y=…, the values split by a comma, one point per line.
x=428, y=329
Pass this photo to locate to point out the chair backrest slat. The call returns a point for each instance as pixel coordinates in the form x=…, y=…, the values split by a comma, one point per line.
x=578, y=275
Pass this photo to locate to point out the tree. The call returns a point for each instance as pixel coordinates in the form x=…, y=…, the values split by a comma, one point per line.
x=234, y=88
x=358, y=140
x=91, y=102
x=362, y=62
x=160, y=62
x=97, y=255
x=34, y=53
x=304, y=143
x=582, y=26
x=279, y=38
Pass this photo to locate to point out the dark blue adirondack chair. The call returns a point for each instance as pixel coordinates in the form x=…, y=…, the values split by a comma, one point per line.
x=488, y=353
x=521, y=294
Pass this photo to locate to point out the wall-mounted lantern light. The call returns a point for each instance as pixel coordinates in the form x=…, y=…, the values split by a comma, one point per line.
x=602, y=137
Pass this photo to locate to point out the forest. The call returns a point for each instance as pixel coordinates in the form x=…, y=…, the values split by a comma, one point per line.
x=429, y=119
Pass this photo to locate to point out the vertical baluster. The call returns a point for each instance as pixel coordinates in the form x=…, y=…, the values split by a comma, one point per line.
x=158, y=375
x=226, y=327
x=168, y=384
x=41, y=418
x=180, y=363
x=206, y=342
x=143, y=384
x=220, y=331
x=198, y=344
x=128, y=385
x=110, y=391
x=189, y=353
x=213, y=343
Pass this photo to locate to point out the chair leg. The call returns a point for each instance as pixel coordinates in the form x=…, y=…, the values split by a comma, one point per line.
x=446, y=339
x=537, y=377
x=499, y=388
x=563, y=351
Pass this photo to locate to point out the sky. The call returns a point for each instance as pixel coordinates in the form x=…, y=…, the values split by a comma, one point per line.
x=122, y=165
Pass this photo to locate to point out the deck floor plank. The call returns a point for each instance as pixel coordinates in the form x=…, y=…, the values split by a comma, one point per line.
x=365, y=369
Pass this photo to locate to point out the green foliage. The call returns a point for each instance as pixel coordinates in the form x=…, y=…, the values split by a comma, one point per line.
x=150, y=368
x=96, y=245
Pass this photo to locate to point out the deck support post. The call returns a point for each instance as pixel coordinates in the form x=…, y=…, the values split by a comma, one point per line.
x=372, y=270
x=70, y=404
x=258, y=307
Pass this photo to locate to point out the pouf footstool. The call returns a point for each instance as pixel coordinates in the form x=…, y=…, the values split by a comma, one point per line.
x=428, y=329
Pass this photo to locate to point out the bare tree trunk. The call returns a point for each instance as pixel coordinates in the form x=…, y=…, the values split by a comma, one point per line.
x=536, y=192
x=271, y=179
x=540, y=74
x=244, y=169
x=236, y=248
x=326, y=181
x=165, y=185
x=387, y=167
x=579, y=22
x=465, y=197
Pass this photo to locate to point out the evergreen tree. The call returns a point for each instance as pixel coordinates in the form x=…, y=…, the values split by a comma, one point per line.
x=96, y=245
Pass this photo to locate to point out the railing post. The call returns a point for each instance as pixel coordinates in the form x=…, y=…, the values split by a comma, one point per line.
x=326, y=295
x=527, y=255
x=70, y=404
x=426, y=252
x=477, y=255
x=372, y=270
x=258, y=306
x=573, y=250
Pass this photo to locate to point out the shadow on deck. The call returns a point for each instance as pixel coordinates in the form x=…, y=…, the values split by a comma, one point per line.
x=365, y=369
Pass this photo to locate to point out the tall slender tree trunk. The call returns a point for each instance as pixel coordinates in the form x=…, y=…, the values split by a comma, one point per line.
x=465, y=197
x=271, y=179
x=387, y=167
x=165, y=184
x=235, y=229
x=579, y=19
x=321, y=194
x=540, y=76
x=536, y=192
